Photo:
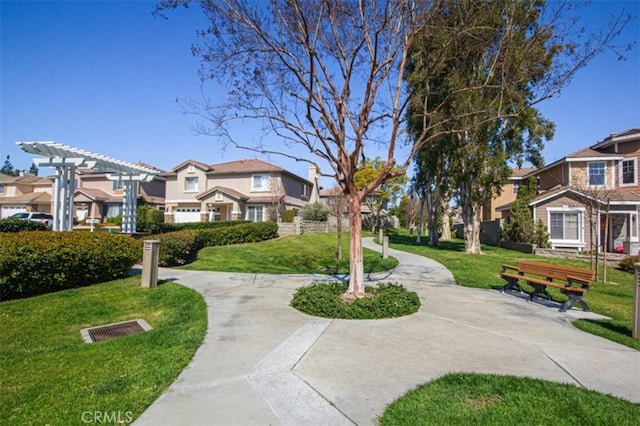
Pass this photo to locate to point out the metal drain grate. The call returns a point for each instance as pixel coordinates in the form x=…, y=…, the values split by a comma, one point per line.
x=111, y=331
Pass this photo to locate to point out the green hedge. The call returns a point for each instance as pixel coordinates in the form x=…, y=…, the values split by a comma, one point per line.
x=180, y=247
x=163, y=228
x=41, y=262
x=11, y=224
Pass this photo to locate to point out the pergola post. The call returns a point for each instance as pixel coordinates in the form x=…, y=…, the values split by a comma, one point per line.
x=64, y=188
x=129, y=199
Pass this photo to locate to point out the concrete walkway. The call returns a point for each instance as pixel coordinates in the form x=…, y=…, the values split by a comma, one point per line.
x=265, y=363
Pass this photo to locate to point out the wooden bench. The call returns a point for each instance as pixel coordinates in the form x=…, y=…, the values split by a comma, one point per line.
x=573, y=282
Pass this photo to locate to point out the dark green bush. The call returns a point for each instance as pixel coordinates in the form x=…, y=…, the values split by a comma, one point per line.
x=146, y=215
x=163, y=228
x=177, y=248
x=627, y=264
x=41, y=262
x=11, y=224
x=180, y=247
x=324, y=300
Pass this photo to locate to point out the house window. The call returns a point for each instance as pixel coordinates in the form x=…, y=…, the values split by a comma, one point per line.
x=116, y=184
x=255, y=213
x=260, y=183
x=628, y=171
x=191, y=184
x=596, y=173
x=565, y=225
x=2, y=188
x=516, y=186
x=304, y=190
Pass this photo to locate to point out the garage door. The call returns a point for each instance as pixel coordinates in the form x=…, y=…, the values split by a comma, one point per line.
x=11, y=210
x=184, y=215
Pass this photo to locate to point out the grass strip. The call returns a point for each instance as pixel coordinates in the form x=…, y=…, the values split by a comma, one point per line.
x=297, y=254
x=477, y=399
x=50, y=376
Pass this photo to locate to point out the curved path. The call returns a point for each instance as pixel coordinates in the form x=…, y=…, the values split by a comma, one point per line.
x=265, y=363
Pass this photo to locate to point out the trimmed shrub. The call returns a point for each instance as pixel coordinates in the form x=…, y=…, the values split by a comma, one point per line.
x=12, y=224
x=627, y=264
x=324, y=300
x=180, y=247
x=177, y=248
x=163, y=228
x=148, y=215
x=288, y=215
x=33, y=263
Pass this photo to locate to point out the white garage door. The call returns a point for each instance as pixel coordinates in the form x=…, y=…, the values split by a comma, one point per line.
x=11, y=210
x=184, y=215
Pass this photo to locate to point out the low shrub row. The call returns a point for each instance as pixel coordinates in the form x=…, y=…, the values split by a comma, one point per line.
x=628, y=263
x=163, y=228
x=33, y=263
x=180, y=247
x=11, y=224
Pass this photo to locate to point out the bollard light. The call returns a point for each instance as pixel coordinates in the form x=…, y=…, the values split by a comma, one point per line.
x=150, y=263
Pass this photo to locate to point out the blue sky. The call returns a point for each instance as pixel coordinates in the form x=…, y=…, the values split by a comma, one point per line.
x=104, y=76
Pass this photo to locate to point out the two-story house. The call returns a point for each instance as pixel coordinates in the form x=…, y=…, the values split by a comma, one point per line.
x=24, y=194
x=576, y=192
x=99, y=195
x=507, y=196
x=237, y=190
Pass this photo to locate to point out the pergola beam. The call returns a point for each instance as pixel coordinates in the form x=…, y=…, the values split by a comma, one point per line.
x=65, y=159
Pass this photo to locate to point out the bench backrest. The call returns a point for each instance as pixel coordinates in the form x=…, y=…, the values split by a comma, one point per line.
x=558, y=272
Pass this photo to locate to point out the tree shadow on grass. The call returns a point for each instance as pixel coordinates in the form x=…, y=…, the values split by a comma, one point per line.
x=611, y=326
x=406, y=240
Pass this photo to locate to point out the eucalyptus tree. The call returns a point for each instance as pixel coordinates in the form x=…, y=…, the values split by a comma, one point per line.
x=326, y=76
x=502, y=58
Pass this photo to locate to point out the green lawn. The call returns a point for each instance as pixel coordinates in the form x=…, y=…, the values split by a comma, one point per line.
x=301, y=254
x=476, y=399
x=613, y=299
x=51, y=377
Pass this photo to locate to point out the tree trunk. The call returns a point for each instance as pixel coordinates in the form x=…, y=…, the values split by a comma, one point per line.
x=356, y=264
x=471, y=218
x=446, y=223
x=420, y=222
x=339, y=232
x=433, y=207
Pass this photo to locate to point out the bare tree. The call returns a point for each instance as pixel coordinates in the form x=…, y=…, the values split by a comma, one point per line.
x=326, y=75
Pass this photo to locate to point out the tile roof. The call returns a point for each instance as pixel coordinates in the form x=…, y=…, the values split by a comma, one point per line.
x=28, y=198
x=231, y=192
x=245, y=166
x=521, y=172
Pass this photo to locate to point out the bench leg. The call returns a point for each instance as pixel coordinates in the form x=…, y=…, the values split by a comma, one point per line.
x=573, y=299
x=512, y=284
x=540, y=291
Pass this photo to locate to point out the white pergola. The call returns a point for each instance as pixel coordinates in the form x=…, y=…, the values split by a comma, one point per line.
x=66, y=159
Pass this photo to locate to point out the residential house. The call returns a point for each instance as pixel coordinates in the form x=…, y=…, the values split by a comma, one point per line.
x=24, y=194
x=99, y=196
x=247, y=189
x=507, y=195
x=576, y=192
